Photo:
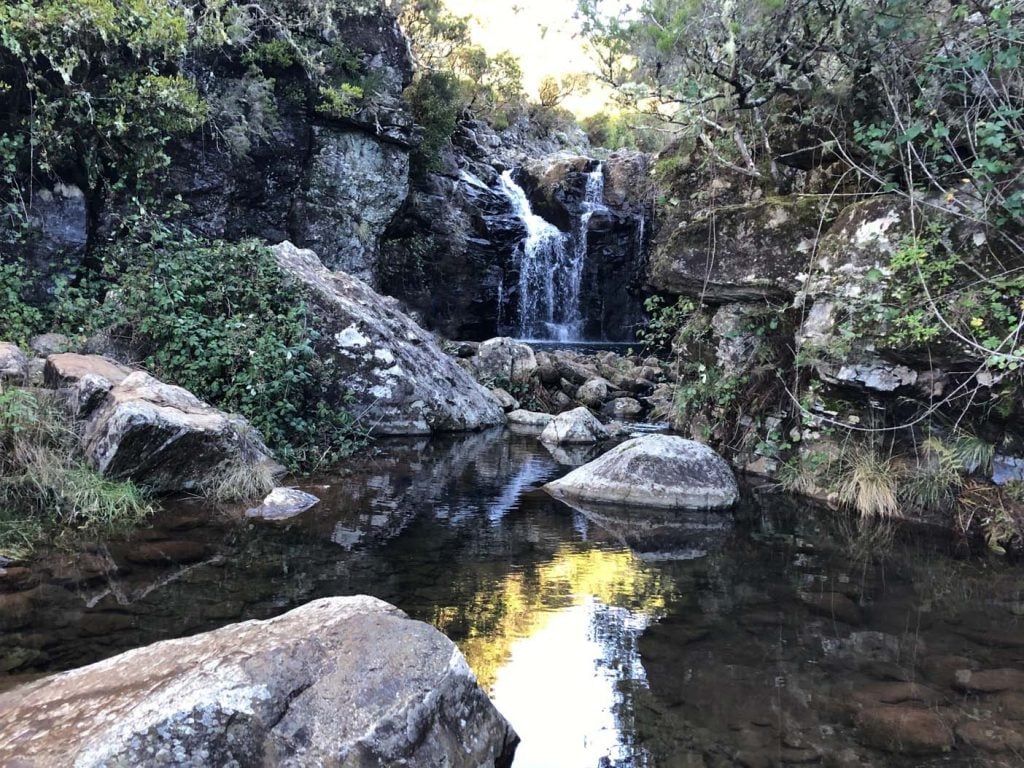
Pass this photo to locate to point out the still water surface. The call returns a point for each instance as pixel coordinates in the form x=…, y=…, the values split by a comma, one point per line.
x=606, y=637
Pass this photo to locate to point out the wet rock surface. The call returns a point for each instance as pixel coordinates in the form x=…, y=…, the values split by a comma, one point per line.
x=335, y=681
x=574, y=427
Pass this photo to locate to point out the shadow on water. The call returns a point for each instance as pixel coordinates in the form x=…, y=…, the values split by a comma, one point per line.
x=607, y=636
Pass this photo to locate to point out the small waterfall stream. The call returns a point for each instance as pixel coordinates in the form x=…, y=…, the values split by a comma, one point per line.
x=551, y=264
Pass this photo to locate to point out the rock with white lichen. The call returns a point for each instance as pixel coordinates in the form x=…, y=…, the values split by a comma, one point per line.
x=344, y=681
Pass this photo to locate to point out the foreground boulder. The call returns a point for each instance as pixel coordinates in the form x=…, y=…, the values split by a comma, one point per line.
x=165, y=438
x=399, y=380
x=13, y=362
x=342, y=681
x=653, y=471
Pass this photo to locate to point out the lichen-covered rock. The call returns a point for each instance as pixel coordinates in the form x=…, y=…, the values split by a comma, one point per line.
x=165, y=438
x=594, y=392
x=759, y=249
x=340, y=681
x=47, y=344
x=13, y=362
x=282, y=504
x=654, y=471
x=82, y=380
x=529, y=418
x=398, y=378
x=621, y=408
x=357, y=183
x=504, y=359
x=578, y=426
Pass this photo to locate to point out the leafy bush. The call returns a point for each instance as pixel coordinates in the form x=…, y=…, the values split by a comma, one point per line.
x=219, y=319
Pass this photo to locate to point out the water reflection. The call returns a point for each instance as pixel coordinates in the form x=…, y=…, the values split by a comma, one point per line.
x=608, y=637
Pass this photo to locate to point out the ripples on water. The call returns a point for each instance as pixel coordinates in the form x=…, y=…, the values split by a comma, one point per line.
x=607, y=637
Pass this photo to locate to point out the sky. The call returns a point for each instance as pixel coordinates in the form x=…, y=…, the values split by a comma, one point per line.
x=541, y=34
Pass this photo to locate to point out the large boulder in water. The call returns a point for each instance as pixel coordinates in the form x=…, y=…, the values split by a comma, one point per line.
x=399, y=379
x=165, y=438
x=341, y=681
x=653, y=471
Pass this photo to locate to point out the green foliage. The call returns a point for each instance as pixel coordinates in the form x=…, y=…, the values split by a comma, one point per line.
x=436, y=99
x=21, y=319
x=339, y=101
x=457, y=70
x=665, y=321
x=218, y=319
x=45, y=485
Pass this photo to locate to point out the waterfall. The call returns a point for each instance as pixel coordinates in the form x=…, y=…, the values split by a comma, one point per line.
x=551, y=264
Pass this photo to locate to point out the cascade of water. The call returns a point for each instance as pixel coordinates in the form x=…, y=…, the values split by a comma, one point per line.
x=551, y=264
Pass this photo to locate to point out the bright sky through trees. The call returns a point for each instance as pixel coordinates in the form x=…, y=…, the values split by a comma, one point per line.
x=542, y=34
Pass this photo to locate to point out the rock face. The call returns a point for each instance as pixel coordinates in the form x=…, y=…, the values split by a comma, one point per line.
x=578, y=426
x=276, y=167
x=401, y=381
x=760, y=249
x=357, y=183
x=653, y=471
x=340, y=681
x=165, y=438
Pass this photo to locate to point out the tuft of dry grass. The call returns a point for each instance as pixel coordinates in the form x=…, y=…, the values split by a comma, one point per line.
x=869, y=483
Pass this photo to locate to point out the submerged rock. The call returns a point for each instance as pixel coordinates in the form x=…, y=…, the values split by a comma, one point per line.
x=398, y=378
x=904, y=729
x=576, y=426
x=165, y=438
x=283, y=503
x=653, y=471
x=339, y=681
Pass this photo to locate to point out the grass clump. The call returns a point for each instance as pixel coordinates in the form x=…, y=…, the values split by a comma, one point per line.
x=869, y=483
x=45, y=484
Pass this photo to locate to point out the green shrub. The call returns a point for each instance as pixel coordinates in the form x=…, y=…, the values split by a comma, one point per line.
x=220, y=320
x=436, y=99
x=21, y=319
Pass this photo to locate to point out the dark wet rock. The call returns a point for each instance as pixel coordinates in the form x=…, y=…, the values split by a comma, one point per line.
x=16, y=609
x=991, y=737
x=905, y=730
x=53, y=244
x=574, y=427
x=990, y=680
x=337, y=681
x=654, y=470
x=873, y=694
x=833, y=605
x=166, y=439
x=13, y=362
x=1009, y=705
x=400, y=380
x=283, y=503
x=161, y=552
x=14, y=578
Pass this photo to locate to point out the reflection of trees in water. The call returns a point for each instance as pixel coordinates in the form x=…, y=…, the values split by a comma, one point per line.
x=523, y=601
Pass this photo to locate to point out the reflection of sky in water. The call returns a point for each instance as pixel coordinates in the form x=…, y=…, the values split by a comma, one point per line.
x=560, y=690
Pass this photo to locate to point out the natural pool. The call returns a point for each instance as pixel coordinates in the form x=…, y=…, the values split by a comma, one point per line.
x=607, y=638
